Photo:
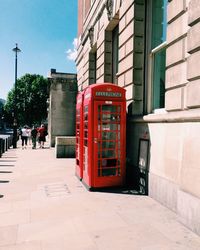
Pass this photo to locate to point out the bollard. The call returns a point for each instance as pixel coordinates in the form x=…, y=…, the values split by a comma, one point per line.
x=1, y=147
x=10, y=141
x=3, y=143
x=6, y=141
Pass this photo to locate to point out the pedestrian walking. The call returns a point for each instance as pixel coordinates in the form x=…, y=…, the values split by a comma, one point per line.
x=24, y=136
x=34, y=134
x=42, y=135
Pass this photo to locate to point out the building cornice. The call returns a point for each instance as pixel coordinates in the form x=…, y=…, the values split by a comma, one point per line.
x=89, y=24
x=190, y=115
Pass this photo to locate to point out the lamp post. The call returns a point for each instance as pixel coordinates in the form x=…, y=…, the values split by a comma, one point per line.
x=16, y=50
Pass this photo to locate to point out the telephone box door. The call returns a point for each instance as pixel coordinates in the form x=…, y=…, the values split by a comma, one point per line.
x=79, y=136
x=109, y=143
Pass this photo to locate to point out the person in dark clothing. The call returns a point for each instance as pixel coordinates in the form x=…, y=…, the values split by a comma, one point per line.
x=34, y=134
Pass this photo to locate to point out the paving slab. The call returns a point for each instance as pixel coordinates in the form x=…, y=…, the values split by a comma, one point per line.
x=45, y=207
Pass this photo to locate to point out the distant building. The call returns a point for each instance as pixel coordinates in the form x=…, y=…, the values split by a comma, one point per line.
x=152, y=49
x=62, y=105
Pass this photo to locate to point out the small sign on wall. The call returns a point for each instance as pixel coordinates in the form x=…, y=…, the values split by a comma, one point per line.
x=143, y=165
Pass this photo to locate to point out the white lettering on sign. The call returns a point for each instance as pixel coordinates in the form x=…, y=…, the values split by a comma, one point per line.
x=108, y=94
x=108, y=102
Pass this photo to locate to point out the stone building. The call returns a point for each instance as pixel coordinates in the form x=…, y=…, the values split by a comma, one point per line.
x=152, y=49
x=62, y=105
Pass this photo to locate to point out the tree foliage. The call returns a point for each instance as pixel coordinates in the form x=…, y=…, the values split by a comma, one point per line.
x=28, y=99
x=1, y=105
x=1, y=108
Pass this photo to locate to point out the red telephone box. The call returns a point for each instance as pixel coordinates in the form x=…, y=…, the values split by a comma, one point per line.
x=104, y=133
x=79, y=135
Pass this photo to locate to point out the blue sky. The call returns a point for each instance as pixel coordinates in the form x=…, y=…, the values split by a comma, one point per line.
x=44, y=30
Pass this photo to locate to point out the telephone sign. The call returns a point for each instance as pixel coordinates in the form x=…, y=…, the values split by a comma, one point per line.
x=108, y=94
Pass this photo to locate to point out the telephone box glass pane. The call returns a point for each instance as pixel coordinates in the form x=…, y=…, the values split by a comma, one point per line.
x=108, y=154
x=109, y=108
x=85, y=135
x=108, y=135
x=109, y=118
x=108, y=144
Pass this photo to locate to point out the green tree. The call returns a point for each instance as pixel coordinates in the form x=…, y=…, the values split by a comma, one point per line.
x=1, y=112
x=28, y=100
x=1, y=106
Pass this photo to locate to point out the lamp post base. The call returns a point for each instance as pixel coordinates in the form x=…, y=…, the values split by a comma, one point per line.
x=15, y=137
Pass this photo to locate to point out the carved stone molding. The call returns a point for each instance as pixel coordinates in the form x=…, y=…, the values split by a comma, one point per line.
x=91, y=35
x=109, y=8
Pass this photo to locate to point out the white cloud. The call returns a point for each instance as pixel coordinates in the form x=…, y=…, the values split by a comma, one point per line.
x=72, y=53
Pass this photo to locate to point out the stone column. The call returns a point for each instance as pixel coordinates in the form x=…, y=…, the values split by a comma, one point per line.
x=62, y=105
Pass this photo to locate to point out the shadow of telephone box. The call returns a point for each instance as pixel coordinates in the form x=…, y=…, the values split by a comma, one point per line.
x=132, y=176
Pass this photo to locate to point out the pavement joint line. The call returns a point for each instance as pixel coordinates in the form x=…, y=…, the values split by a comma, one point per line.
x=57, y=194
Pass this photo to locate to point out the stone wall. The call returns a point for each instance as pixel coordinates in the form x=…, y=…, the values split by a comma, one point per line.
x=193, y=48
x=174, y=165
x=176, y=55
x=174, y=169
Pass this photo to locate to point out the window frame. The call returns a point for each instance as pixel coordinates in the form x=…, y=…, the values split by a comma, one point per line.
x=93, y=70
x=115, y=53
x=150, y=55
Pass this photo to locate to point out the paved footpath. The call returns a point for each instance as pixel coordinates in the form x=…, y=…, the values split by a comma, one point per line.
x=45, y=207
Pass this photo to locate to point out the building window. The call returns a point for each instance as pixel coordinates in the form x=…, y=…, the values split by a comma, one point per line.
x=92, y=67
x=157, y=51
x=111, y=54
x=115, y=52
x=158, y=78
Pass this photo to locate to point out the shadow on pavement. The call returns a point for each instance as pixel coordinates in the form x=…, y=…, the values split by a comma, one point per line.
x=8, y=165
x=122, y=190
x=4, y=181
x=7, y=161
x=9, y=157
x=5, y=172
